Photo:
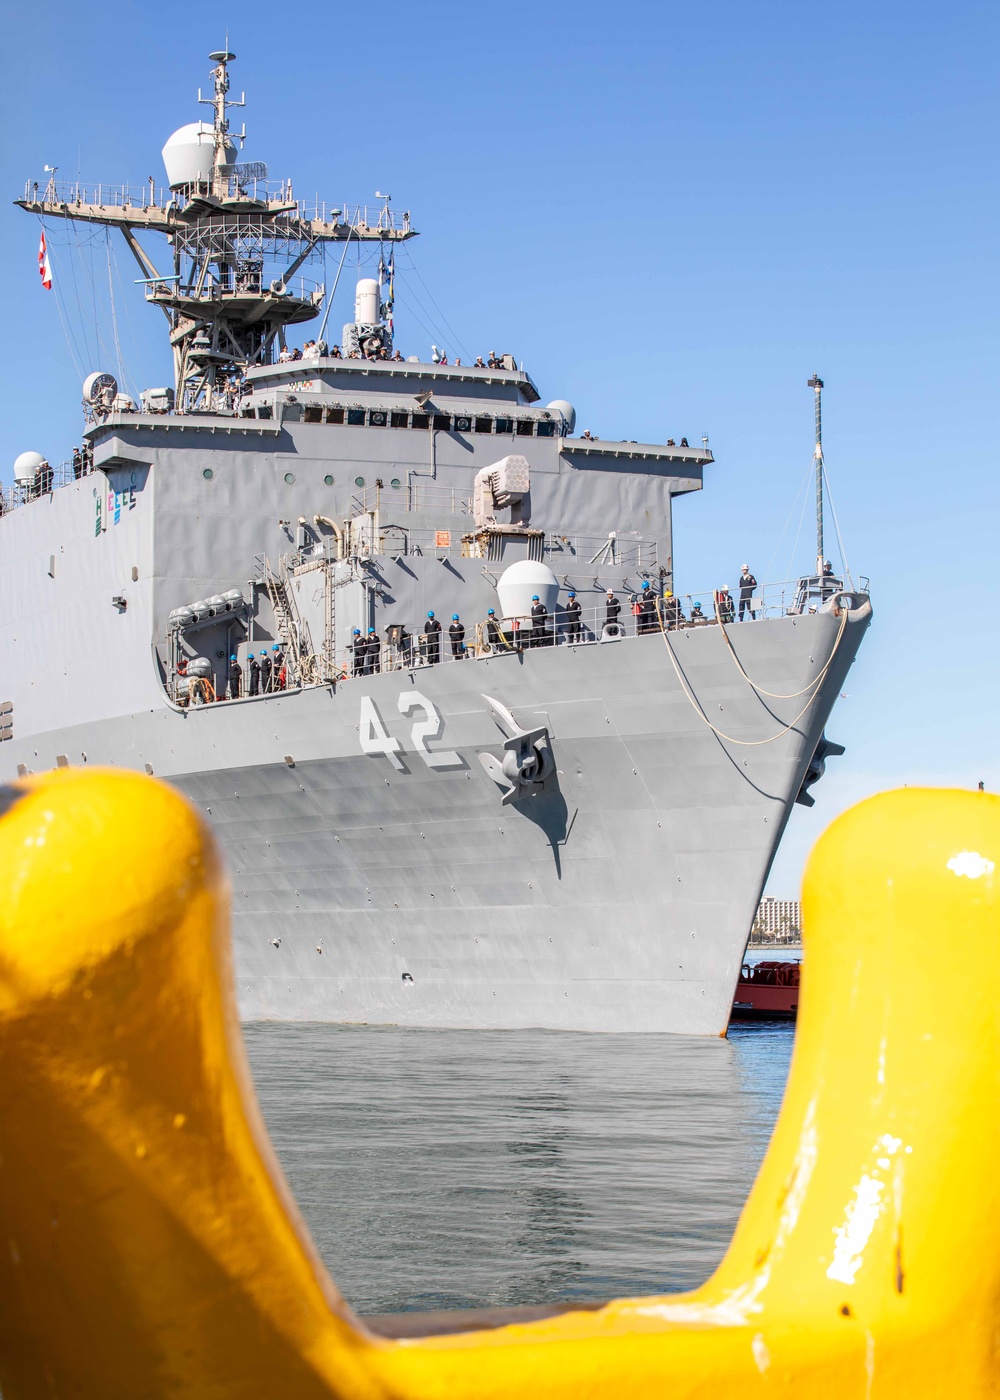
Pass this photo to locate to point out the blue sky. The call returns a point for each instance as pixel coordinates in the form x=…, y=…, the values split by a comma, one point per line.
x=673, y=214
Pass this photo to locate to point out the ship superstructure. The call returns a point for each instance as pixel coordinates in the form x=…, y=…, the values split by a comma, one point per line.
x=548, y=815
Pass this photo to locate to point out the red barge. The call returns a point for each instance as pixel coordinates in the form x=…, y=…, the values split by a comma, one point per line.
x=768, y=991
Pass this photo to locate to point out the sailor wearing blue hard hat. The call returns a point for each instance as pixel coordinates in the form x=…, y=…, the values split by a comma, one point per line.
x=573, y=610
x=493, y=638
x=432, y=640
x=539, y=634
x=235, y=676
x=254, y=666
x=456, y=633
x=278, y=677
x=373, y=652
x=359, y=651
x=647, y=608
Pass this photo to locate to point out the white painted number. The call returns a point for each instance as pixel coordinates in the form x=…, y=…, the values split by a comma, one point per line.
x=375, y=738
x=430, y=728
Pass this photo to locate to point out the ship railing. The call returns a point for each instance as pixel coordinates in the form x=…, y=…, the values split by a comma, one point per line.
x=412, y=496
x=615, y=550
x=105, y=194
x=595, y=626
x=243, y=284
x=19, y=493
x=108, y=194
x=465, y=540
x=412, y=651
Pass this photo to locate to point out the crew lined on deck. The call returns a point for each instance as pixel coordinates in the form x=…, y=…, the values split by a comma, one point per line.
x=266, y=672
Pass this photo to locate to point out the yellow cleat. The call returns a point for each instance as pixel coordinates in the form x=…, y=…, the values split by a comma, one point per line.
x=149, y=1246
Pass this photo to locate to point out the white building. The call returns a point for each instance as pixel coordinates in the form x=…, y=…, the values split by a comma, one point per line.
x=778, y=921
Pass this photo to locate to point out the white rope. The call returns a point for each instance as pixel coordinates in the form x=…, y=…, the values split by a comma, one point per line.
x=744, y=743
x=773, y=694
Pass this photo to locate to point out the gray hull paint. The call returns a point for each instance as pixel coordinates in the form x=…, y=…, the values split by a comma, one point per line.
x=618, y=900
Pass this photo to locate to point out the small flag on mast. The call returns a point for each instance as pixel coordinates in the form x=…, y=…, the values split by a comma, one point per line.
x=44, y=270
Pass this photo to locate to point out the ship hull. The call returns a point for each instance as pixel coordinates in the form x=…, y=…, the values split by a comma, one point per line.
x=392, y=886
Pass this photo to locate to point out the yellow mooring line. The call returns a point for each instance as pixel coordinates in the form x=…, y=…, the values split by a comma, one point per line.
x=149, y=1246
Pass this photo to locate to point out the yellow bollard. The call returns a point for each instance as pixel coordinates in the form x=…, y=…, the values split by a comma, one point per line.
x=150, y=1248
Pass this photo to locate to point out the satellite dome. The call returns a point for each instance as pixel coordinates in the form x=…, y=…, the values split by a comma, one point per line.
x=189, y=154
x=520, y=582
x=566, y=411
x=26, y=465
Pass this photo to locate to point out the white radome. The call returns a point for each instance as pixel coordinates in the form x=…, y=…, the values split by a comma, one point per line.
x=519, y=582
x=26, y=465
x=566, y=411
x=189, y=154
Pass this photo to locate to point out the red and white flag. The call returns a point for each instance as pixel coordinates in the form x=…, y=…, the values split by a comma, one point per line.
x=44, y=270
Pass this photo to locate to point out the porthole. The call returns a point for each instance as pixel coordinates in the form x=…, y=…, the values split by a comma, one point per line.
x=289, y=478
x=395, y=483
x=328, y=480
x=208, y=473
x=359, y=481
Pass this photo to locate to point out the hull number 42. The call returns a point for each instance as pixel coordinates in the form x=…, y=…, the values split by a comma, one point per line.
x=376, y=739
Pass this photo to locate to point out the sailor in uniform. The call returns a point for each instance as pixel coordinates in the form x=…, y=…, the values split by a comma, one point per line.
x=672, y=611
x=457, y=634
x=432, y=631
x=647, y=609
x=747, y=585
x=573, y=612
x=359, y=647
x=373, y=653
x=494, y=639
x=539, y=617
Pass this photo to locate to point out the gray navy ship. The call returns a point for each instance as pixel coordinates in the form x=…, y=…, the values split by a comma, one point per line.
x=560, y=809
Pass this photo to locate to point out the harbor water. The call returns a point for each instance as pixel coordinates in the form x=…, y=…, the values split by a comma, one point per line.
x=460, y=1169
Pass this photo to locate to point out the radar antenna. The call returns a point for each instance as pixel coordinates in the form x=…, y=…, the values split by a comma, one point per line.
x=238, y=242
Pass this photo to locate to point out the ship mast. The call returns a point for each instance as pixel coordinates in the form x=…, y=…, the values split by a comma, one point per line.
x=220, y=102
x=816, y=384
x=237, y=240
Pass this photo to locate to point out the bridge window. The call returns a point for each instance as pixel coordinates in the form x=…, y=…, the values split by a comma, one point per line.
x=355, y=417
x=545, y=429
x=463, y=425
x=525, y=427
x=505, y=425
x=484, y=425
x=442, y=422
x=399, y=419
x=313, y=413
x=419, y=420
x=335, y=415
x=377, y=418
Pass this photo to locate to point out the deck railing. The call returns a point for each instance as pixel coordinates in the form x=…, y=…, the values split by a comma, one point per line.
x=122, y=195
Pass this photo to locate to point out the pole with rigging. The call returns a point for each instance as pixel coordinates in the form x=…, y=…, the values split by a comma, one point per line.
x=816, y=384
